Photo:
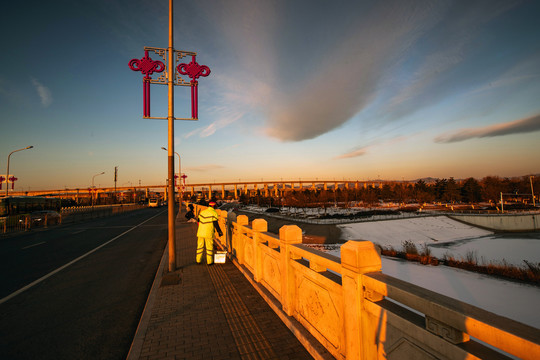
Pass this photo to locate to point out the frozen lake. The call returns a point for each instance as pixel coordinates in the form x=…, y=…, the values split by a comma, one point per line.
x=507, y=298
x=446, y=236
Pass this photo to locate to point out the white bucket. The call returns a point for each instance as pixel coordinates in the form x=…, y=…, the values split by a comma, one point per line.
x=220, y=256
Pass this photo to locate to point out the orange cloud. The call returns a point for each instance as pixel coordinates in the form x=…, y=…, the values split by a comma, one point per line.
x=520, y=126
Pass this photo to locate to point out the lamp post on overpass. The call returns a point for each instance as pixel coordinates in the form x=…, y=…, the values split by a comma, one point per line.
x=7, y=170
x=532, y=189
x=93, y=177
x=179, y=170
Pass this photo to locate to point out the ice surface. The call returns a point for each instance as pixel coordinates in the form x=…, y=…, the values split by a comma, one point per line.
x=503, y=297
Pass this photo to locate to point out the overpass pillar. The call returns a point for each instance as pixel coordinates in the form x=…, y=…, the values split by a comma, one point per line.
x=266, y=190
x=325, y=186
x=222, y=192
x=276, y=189
x=192, y=190
x=245, y=189
x=235, y=191
x=209, y=192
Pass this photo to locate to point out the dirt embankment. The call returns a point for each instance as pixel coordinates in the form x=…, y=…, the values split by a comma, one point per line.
x=312, y=233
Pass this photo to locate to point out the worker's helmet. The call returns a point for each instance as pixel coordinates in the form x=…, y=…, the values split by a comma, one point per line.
x=212, y=203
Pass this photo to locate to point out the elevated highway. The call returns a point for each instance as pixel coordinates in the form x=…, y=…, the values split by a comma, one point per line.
x=219, y=189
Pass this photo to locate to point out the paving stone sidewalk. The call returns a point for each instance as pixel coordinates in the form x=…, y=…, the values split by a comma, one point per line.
x=208, y=312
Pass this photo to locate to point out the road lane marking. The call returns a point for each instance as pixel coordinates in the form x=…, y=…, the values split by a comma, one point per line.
x=29, y=246
x=45, y=277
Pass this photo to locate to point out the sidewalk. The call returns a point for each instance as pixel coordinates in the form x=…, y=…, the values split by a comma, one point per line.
x=208, y=312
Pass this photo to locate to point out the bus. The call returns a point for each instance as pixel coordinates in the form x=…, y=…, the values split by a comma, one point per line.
x=20, y=205
x=153, y=202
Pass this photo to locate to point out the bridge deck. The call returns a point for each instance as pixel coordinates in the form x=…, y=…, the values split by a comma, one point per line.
x=209, y=312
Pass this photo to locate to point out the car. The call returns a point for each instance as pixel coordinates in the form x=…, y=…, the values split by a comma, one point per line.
x=39, y=217
x=154, y=202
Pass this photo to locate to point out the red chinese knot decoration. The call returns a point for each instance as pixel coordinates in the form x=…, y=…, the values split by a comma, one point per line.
x=147, y=67
x=193, y=70
x=13, y=179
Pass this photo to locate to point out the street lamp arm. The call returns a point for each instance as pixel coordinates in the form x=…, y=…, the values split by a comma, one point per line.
x=101, y=173
x=7, y=170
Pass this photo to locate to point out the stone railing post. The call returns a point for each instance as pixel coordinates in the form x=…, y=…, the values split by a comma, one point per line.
x=238, y=238
x=258, y=226
x=288, y=235
x=357, y=258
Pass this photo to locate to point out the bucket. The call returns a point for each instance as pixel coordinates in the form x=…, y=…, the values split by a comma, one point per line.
x=219, y=257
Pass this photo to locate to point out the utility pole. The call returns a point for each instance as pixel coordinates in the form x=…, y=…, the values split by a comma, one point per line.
x=115, y=179
x=532, y=190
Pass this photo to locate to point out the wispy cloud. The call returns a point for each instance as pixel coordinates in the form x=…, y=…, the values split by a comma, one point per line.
x=363, y=150
x=520, y=126
x=352, y=154
x=443, y=60
x=43, y=92
x=216, y=125
x=204, y=168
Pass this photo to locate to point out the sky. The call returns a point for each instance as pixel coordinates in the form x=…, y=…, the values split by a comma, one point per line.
x=298, y=89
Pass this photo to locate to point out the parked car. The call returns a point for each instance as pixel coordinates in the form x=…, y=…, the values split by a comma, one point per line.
x=38, y=217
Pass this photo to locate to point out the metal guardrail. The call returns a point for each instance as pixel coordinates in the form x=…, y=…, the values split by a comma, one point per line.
x=24, y=222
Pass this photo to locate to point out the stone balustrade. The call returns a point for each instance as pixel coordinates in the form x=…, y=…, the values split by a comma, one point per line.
x=356, y=311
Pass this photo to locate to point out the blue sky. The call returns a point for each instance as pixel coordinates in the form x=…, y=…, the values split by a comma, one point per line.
x=298, y=90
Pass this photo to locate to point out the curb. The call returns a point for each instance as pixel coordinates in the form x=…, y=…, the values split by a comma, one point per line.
x=138, y=340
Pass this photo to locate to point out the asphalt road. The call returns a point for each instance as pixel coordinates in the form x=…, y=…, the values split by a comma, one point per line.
x=77, y=291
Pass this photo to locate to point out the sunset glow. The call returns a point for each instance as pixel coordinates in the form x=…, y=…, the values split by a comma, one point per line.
x=299, y=89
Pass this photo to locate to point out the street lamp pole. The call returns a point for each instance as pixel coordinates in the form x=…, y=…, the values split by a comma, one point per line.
x=93, y=177
x=532, y=190
x=170, y=119
x=193, y=70
x=7, y=170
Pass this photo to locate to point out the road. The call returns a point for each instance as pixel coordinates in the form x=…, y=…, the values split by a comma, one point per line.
x=77, y=291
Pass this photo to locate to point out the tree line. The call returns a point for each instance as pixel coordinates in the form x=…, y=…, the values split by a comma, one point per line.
x=469, y=191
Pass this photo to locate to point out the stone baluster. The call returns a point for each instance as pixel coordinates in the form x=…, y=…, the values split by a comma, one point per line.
x=258, y=226
x=357, y=258
x=238, y=238
x=288, y=236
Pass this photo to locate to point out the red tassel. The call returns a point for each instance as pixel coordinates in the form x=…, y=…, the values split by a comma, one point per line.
x=194, y=100
x=146, y=98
